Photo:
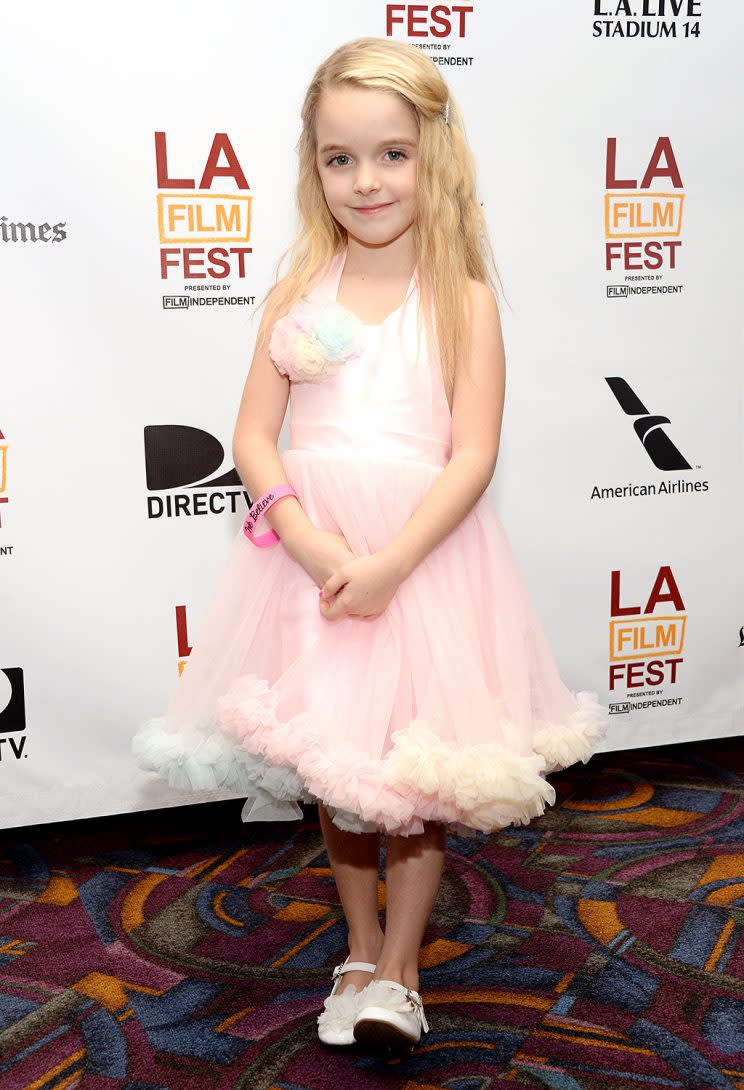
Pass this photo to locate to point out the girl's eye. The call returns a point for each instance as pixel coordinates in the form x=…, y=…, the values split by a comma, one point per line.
x=390, y=151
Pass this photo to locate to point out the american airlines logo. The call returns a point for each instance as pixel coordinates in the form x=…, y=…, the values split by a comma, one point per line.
x=647, y=426
x=653, y=432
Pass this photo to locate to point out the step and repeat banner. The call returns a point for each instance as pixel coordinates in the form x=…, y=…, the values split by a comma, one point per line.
x=148, y=178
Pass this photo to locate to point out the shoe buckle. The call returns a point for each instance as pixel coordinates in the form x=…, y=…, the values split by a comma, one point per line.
x=415, y=1000
x=337, y=971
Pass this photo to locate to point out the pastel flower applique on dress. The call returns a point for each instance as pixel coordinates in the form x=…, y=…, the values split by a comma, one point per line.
x=314, y=340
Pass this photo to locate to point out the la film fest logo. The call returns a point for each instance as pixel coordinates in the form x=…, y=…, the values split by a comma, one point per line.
x=434, y=28
x=187, y=465
x=203, y=231
x=643, y=220
x=658, y=19
x=646, y=642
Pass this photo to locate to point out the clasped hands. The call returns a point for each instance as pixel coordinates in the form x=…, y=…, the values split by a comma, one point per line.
x=358, y=586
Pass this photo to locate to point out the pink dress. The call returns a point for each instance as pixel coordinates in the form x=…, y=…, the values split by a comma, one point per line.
x=446, y=707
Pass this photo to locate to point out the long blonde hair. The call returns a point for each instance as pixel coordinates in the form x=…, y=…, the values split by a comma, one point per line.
x=450, y=231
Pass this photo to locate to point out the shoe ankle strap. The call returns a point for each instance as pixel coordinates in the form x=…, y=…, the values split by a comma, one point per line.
x=351, y=966
x=402, y=988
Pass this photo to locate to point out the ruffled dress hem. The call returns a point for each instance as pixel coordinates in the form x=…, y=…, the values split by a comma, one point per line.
x=277, y=764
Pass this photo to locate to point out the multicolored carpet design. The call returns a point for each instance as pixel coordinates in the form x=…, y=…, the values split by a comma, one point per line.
x=599, y=947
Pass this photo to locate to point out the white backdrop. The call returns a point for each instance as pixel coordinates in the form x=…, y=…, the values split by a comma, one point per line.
x=621, y=461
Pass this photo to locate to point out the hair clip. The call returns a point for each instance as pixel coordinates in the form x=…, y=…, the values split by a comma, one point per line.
x=447, y=113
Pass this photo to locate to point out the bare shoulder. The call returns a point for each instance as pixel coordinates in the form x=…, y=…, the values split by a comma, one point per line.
x=482, y=301
x=485, y=320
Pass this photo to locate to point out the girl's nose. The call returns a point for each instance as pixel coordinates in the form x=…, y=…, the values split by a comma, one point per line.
x=365, y=180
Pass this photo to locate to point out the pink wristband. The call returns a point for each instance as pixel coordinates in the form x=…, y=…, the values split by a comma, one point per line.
x=257, y=508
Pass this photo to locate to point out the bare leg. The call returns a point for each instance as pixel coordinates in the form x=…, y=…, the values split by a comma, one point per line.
x=355, y=862
x=414, y=873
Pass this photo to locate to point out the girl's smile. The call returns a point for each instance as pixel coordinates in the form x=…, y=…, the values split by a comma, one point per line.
x=370, y=209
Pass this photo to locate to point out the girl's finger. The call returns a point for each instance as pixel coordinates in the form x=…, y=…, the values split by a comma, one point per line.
x=331, y=586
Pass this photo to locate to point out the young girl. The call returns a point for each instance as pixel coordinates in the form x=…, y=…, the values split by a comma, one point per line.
x=382, y=657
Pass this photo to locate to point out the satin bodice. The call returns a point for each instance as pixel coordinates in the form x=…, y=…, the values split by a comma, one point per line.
x=389, y=401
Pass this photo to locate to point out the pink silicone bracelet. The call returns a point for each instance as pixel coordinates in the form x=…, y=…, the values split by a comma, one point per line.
x=258, y=508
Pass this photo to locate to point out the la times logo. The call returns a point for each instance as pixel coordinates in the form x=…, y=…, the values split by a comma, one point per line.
x=181, y=457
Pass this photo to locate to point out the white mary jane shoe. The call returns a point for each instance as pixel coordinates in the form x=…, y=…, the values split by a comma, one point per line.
x=389, y=1015
x=336, y=1020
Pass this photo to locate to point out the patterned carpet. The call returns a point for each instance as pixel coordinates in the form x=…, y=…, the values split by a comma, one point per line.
x=599, y=947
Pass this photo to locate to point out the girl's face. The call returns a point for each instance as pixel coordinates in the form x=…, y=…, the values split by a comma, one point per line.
x=367, y=143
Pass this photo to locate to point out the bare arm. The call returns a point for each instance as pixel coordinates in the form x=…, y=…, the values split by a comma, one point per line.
x=477, y=411
x=254, y=447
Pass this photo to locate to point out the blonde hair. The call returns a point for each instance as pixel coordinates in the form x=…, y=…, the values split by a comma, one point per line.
x=450, y=231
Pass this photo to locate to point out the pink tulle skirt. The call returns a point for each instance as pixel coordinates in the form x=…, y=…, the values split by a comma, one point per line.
x=447, y=707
